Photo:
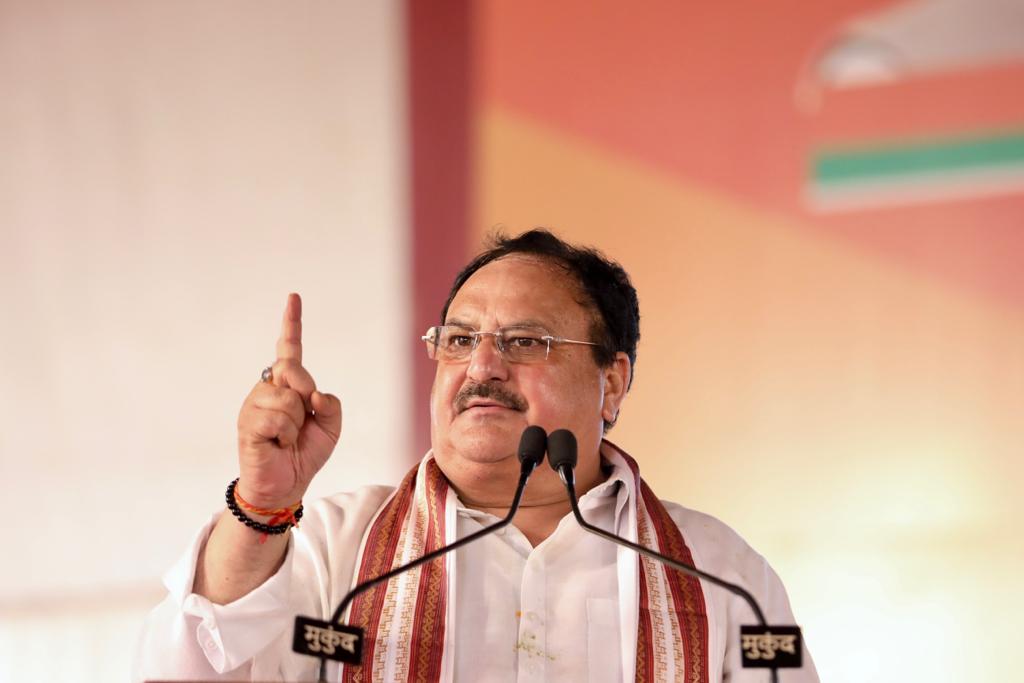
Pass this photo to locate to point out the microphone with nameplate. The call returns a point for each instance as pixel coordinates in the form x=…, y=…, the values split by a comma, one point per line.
x=761, y=646
x=343, y=643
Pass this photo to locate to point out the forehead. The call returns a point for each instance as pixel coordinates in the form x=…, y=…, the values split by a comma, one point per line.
x=519, y=289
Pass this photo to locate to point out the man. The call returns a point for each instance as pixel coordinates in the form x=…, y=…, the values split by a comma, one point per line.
x=535, y=332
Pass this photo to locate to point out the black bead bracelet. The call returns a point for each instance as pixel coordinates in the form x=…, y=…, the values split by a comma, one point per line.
x=229, y=498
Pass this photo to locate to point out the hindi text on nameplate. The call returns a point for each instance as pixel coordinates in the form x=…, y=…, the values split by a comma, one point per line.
x=329, y=641
x=771, y=647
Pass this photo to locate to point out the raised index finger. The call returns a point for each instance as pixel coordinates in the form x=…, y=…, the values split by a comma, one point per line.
x=289, y=344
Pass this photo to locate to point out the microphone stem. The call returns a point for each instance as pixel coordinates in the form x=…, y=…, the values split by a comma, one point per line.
x=524, y=475
x=569, y=479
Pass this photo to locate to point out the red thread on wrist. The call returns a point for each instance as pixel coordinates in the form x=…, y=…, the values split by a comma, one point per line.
x=285, y=515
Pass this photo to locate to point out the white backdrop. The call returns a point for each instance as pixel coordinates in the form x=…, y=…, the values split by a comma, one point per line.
x=169, y=172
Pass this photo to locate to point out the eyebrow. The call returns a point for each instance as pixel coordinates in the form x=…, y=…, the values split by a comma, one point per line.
x=528, y=322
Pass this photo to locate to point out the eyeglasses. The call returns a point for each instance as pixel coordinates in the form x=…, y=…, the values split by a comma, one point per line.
x=455, y=343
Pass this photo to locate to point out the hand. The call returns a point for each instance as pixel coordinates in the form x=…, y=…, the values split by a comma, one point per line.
x=286, y=428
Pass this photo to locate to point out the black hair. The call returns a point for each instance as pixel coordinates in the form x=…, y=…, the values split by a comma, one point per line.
x=609, y=294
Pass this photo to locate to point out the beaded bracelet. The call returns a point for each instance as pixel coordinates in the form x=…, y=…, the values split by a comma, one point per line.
x=290, y=515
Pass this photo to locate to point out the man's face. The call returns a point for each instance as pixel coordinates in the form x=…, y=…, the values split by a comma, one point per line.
x=479, y=407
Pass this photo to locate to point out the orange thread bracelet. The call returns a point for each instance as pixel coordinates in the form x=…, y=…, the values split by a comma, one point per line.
x=281, y=519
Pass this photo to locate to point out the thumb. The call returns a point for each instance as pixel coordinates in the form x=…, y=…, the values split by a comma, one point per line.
x=327, y=413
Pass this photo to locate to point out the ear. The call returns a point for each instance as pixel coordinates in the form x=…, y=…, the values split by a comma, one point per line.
x=616, y=384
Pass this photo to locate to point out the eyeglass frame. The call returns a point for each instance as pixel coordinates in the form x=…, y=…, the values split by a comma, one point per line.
x=498, y=344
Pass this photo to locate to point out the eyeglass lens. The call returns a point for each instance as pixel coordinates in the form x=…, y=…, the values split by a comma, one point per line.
x=517, y=344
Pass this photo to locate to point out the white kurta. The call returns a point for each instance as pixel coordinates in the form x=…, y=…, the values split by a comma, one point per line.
x=556, y=612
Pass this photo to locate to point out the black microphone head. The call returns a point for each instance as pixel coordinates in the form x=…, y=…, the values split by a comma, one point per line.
x=561, y=449
x=532, y=445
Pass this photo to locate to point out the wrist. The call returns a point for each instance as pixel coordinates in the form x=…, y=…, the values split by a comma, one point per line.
x=264, y=497
x=266, y=521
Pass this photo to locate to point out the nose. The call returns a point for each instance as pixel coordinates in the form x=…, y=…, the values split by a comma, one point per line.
x=485, y=360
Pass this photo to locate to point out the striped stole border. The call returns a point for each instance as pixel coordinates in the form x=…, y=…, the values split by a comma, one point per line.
x=381, y=553
x=418, y=658
x=687, y=596
x=432, y=599
x=644, y=637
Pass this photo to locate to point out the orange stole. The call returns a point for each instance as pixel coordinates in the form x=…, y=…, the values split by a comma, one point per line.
x=380, y=554
x=419, y=520
x=687, y=597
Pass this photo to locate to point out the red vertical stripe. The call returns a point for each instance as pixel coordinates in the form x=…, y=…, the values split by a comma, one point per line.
x=439, y=36
x=644, y=636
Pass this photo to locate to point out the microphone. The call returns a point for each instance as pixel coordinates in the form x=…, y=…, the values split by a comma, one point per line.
x=760, y=646
x=347, y=641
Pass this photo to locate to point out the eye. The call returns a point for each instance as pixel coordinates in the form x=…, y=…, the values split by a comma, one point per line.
x=521, y=342
x=457, y=337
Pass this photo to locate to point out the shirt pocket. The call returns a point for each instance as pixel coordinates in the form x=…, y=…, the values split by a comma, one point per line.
x=604, y=645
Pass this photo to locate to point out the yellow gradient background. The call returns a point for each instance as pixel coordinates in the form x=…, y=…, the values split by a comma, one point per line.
x=858, y=422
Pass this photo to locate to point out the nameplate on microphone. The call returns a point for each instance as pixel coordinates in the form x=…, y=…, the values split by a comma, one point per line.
x=329, y=641
x=771, y=647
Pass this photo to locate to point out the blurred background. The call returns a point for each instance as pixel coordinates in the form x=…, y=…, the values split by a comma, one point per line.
x=821, y=204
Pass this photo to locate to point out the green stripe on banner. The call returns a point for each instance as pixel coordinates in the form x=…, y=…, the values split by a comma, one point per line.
x=853, y=166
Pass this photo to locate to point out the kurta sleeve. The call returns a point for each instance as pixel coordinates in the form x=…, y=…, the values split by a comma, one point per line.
x=187, y=637
x=719, y=550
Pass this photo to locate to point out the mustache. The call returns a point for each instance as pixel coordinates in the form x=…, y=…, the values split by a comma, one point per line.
x=489, y=390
